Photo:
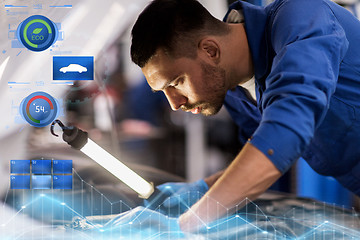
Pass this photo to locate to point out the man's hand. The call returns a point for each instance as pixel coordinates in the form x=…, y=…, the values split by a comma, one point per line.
x=178, y=197
x=249, y=175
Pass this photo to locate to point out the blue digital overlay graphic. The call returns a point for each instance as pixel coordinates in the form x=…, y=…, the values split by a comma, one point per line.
x=41, y=166
x=62, y=166
x=91, y=214
x=39, y=109
x=62, y=181
x=20, y=181
x=20, y=166
x=41, y=181
x=41, y=174
x=73, y=68
x=37, y=33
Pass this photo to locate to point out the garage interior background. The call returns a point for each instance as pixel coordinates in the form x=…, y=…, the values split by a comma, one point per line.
x=121, y=113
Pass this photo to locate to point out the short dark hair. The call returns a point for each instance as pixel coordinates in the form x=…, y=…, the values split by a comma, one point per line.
x=173, y=26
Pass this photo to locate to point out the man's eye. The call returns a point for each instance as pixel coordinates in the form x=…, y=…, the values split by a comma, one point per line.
x=174, y=84
x=177, y=82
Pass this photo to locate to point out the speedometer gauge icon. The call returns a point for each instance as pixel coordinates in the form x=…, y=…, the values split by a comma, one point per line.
x=39, y=109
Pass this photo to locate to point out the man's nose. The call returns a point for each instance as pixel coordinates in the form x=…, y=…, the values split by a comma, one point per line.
x=175, y=99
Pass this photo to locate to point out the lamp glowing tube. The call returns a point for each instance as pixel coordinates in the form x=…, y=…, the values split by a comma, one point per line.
x=78, y=139
x=118, y=169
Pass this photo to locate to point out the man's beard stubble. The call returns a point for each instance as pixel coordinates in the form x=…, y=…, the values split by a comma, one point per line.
x=214, y=78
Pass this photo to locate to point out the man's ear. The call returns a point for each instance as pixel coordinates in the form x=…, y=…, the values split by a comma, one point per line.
x=210, y=49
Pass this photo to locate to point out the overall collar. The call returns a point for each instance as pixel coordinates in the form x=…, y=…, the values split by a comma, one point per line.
x=255, y=18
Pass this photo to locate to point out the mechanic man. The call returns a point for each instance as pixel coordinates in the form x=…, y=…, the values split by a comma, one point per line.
x=305, y=57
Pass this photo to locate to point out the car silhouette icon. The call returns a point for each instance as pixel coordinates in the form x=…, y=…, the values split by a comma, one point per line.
x=73, y=68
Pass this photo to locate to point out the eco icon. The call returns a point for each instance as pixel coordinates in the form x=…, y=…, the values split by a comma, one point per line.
x=37, y=33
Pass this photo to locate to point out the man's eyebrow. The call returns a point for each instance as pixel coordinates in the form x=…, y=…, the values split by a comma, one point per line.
x=165, y=85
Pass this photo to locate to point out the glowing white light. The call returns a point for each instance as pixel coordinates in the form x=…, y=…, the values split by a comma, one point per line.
x=118, y=169
x=130, y=223
x=3, y=66
x=42, y=195
x=265, y=232
x=23, y=207
x=101, y=230
x=63, y=203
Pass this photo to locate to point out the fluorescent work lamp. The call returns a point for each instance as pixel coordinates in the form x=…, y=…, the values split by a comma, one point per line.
x=78, y=139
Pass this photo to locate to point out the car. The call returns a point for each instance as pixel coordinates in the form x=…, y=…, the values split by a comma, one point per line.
x=73, y=68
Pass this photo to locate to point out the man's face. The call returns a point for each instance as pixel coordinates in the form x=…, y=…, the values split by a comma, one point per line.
x=188, y=84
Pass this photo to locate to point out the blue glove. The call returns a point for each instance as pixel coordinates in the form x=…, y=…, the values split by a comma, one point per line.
x=177, y=198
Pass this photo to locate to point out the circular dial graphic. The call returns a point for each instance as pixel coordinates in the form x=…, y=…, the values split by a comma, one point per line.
x=37, y=33
x=39, y=109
